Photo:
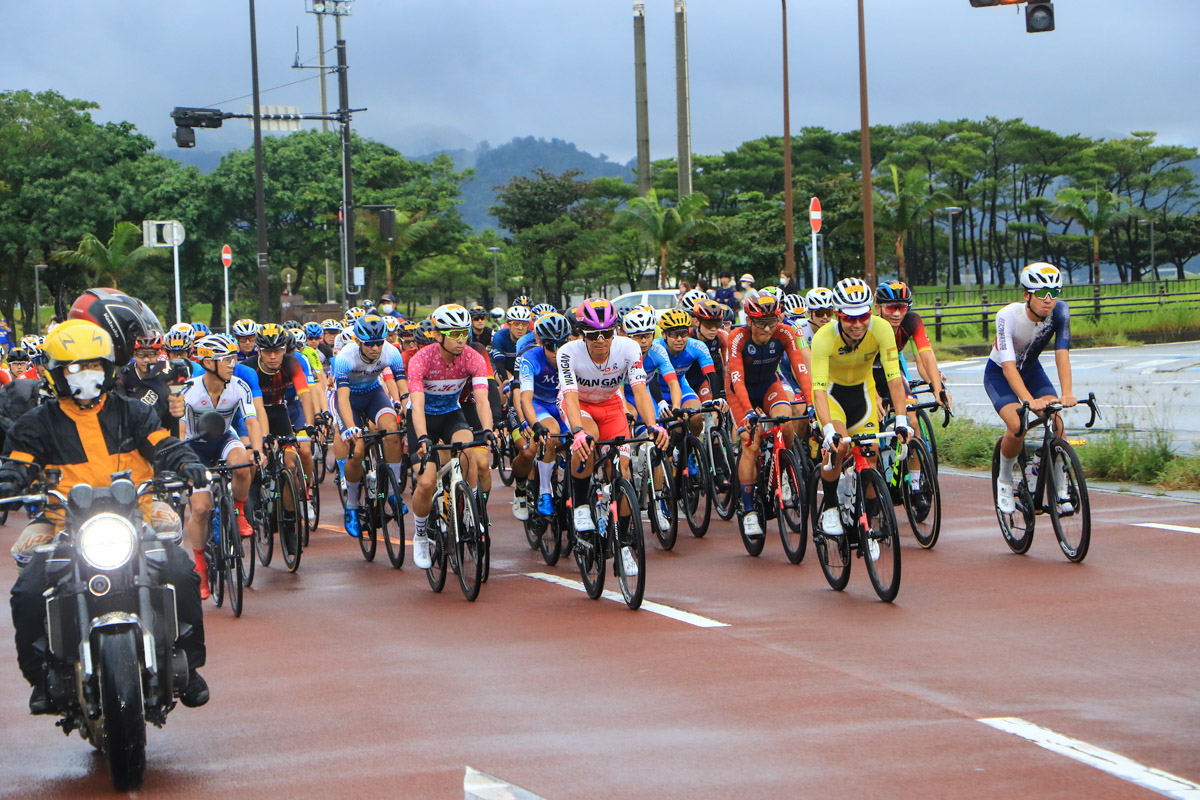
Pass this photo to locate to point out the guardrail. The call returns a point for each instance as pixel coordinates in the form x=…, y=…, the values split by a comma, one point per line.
x=1096, y=306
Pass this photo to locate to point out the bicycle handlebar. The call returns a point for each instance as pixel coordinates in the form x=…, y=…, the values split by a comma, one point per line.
x=1053, y=409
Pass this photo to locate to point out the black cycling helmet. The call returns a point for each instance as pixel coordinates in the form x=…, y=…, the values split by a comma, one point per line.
x=125, y=319
x=273, y=335
x=424, y=334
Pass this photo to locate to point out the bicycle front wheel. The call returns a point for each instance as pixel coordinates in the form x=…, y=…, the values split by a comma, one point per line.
x=1017, y=527
x=436, y=574
x=390, y=514
x=724, y=474
x=792, y=519
x=318, y=454
x=880, y=541
x=468, y=540
x=923, y=505
x=695, y=491
x=925, y=431
x=1070, y=509
x=231, y=545
x=289, y=519
x=663, y=511
x=833, y=551
x=329, y=459
x=589, y=552
x=263, y=519
x=629, y=535
x=506, y=457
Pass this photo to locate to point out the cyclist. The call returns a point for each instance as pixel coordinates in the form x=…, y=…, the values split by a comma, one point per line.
x=686, y=354
x=357, y=376
x=1014, y=375
x=144, y=379
x=436, y=376
x=755, y=351
x=591, y=373
x=330, y=328
x=707, y=330
x=504, y=341
x=818, y=311
x=408, y=336
x=480, y=332
x=843, y=389
x=482, y=454
x=246, y=333
x=20, y=365
x=276, y=369
x=539, y=397
x=895, y=307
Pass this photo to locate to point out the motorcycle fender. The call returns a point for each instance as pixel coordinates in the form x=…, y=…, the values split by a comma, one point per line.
x=111, y=619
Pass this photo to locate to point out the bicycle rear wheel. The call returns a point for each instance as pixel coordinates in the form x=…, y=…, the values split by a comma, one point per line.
x=754, y=544
x=263, y=520
x=629, y=534
x=329, y=458
x=289, y=519
x=833, y=551
x=1017, y=527
x=589, y=552
x=923, y=505
x=436, y=574
x=389, y=511
x=231, y=546
x=468, y=540
x=793, y=513
x=724, y=474
x=1070, y=509
x=505, y=462
x=318, y=455
x=215, y=560
x=663, y=511
x=925, y=431
x=695, y=488
x=880, y=542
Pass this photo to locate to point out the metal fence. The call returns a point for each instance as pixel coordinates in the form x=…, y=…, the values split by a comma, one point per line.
x=1092, y=300
x=973, y=295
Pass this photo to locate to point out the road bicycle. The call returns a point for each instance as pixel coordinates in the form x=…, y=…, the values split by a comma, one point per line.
x=322, y=446
x=918, y=491
x=869, y=529
x=456, y=534
x=779, y=491
x=547, y=532
x=617, y=524
x=280, y=508
x=381, y=501
x=1063, y=496
x=228, y=568
x=653, y=477
x=925, y=426
x=699, y=478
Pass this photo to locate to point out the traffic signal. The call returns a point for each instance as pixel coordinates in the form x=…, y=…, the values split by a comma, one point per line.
x=188, y=118
x=387, y=224
x=1039, y=14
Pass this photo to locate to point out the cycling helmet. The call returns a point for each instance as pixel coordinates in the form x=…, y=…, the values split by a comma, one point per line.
x=215, y=346
x=764, y=306
x=180, y=337
x=344, y=337
x=367, y=305
x=542, y=308
x=477, y=311
x=689, y=299
x=596, y=314
x=1041, y=275
x=675, y=318
x=497, y=313
x=638, y=321
x=553, y=328
x=894, y=292
x=331, y=326
x=852, y=296
x=355, y=314
x=519, y=313
x=291, y=325
x=392, y=324
x=151, y=341
x=774, y=291
x=727, y=314
x=452, y=316
x=424, y=334
x=299, y=338
x=818, y=298
x=17, y=354
x=644, y=307
x=73, y=341
x=245, y=327
x=201, y=329
x=122, y=317
x=709, y=310
x=371, y=329
x=272, y=335
x=312, y=330
x=793, y=305
x=523, y=300
x=408, y=329
x=32, y=342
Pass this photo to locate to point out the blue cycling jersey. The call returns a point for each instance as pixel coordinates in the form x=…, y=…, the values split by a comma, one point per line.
x=695, y=352
x=358, y=375
x=655, y=362
x=539, y=374
x=525, y=343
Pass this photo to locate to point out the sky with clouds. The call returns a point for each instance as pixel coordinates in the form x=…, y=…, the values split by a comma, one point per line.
x=451, y=73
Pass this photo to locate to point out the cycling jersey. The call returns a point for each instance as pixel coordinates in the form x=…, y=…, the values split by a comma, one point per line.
x=484, y=337
x=1021, y=339
x=504, y=351
x=235, y=401
x=525, y=343
x=429, y=374
x=595, y=383
x=717, y=346
x=273, y=384
x=539, y=374
x=244, y=356
x=694, y=354
x=785, y=363
x=351, y=370
x=752, y=367
x=316, y=359
x=656, y=362
x=836, y=361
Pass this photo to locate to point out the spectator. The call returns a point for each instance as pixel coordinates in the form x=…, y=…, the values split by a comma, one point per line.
x=7, y=337
x=726, y=291
x=684, y=288
x=787, y=285
x=703, y=285
x=387, y=306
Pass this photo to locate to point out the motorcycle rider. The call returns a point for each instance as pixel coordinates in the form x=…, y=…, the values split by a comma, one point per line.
x=89, y=432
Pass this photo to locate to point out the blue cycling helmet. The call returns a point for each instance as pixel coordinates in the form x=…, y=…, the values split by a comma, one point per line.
x=201, y=330
x=553, y=328
x=370, y=329
x=312, y=330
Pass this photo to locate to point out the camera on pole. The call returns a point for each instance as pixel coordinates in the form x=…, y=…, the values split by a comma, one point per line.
x=188, y=118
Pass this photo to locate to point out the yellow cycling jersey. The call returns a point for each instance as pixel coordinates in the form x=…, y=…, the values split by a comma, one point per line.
x=836, y=361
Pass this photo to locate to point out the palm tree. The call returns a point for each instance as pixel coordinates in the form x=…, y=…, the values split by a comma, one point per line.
x=914, y=201
x=1097, y=211
x=410, y=228
x=665, y=226
x=106, y=263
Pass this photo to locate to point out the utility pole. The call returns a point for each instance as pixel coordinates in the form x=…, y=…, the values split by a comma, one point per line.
x=789, y=253
x=260, y=203
x=683, y=100
x=643, y=101
x=321, y=63
x=868, y=197
x=347, y=181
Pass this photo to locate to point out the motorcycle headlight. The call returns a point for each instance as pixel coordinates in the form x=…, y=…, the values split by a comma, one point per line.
x=107, y=541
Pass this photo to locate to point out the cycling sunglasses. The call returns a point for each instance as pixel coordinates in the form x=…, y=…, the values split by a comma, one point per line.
x=457, y=334
x=676, y=333
x=372, y=343
x=1047, y=293
x=894, y=308
x=855, y=319
x=765, y=324
x=478, y=316
x=593, y=336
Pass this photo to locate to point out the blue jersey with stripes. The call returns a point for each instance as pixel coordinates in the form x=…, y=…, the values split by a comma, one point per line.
x=539, y=374
x=352, y=371
x=655, y=362
x=694, y=353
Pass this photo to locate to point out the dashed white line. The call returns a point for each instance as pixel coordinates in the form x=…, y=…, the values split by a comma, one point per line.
x=1164, y=526
x=481, y=786
x=1127, y=769
x=647, y=605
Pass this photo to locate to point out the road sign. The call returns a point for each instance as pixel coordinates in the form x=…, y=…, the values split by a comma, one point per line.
x=173, y=233
x=814, y=215
x=226, y=256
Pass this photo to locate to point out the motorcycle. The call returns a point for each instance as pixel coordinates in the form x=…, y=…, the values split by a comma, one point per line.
x=111, y=623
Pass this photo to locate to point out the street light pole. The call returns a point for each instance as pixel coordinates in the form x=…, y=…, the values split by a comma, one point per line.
x=868, y=198
x=789, y=254
x=260, y=203
x=37, y=299
x=495, y=276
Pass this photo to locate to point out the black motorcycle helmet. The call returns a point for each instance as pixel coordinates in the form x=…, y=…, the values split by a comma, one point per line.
x=125, y=319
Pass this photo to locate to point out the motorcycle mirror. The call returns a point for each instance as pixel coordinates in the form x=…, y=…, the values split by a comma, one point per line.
x=212, y=426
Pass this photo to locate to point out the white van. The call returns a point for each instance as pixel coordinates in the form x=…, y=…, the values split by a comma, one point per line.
x=658, y=299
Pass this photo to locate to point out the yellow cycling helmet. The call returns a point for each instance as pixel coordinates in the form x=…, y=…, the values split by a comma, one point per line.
x=675, y=318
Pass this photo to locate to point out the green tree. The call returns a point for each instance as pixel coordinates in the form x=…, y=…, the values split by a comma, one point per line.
x=106, y=263
x=1095, y=210
x=666, y=226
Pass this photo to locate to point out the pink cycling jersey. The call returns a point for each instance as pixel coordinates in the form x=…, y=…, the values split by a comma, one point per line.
x=440, y=382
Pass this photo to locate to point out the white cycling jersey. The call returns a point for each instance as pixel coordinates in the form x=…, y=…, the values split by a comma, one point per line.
x=235, y=400
x=352, y=371
x=596, y=383
x=1021, y=339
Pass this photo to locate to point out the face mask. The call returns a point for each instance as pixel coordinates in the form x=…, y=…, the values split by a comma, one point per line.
x=387, y=308
x=86, y=384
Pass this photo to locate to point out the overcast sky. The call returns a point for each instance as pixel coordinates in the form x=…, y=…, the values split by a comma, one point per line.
x=450, y=73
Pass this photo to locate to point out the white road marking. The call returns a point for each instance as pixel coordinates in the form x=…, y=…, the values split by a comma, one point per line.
x=481, y=786
x=647, y=605
x=1164, y=526
x=1154, y=779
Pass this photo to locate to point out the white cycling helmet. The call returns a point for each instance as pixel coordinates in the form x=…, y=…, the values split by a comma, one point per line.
x=344, y=338
x=818, y=298
x=216, y=346
x=689, y=300
x=497, y=313
x=245, y=328
x=852, y=296
x=793, y=305
x=519, y=314
x=638, y=321
x=451, y=317
x=1041, y=276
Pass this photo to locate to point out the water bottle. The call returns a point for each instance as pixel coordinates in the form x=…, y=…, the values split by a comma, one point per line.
x=889, y=463
x=369, y=484
x=1031, y=470
x=602, y=507
x=846, y=487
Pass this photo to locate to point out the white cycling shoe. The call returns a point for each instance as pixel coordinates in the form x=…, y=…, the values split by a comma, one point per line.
x=751, y=526
x=831, y=521
x=628, y=562
x=1004, y=497
x=421, y=555
x=520, y=507
x=583, y=520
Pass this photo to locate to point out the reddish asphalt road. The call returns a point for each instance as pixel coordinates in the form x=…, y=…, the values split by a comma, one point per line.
x=350, y=679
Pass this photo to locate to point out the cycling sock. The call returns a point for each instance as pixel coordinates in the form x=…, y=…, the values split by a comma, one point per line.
x=1006, y=468
x=341, y=462
x=579, y=490
x=395, y=468
x=545, y=475
x=352, y=493
x=419, y=525
x=747, y=498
